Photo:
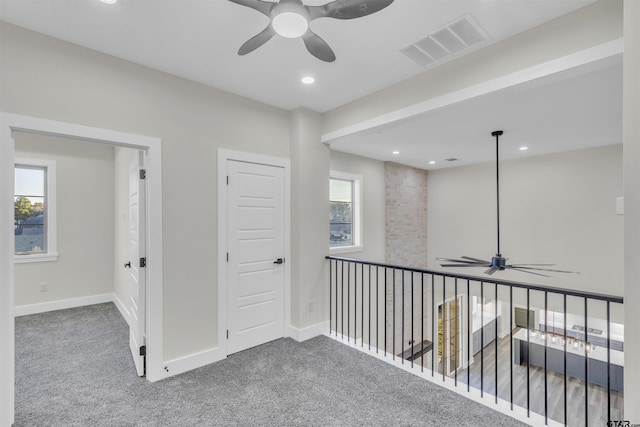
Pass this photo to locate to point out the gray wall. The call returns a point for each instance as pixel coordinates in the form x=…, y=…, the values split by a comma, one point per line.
x=84, y=193
x=309, y=220
x=554, y=209
x=48, y=78
x=631, y=136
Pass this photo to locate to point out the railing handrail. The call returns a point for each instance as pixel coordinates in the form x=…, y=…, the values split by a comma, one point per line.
x=522, y=285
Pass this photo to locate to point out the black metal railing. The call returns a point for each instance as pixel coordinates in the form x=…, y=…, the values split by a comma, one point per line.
x=443, y=322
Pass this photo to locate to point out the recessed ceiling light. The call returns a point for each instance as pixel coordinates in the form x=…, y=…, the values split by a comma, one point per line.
x=109, y=1
x=432, y=162
x=396, y=152
x=308, y=80
x=524, y=148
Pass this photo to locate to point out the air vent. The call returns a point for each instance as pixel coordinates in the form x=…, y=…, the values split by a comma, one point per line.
x=459, y=36
x=451, y=159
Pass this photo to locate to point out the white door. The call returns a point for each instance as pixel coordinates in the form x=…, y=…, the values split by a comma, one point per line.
x=256, y=247
x=136, y=263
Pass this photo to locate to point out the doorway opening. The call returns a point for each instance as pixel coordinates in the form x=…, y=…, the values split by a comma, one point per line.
x=10, y=123
x=449, y=336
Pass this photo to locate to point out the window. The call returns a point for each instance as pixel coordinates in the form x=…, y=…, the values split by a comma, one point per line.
x=345, y=220
x=34, y=210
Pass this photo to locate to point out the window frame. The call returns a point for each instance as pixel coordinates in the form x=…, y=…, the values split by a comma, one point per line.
x=50, y=217
x=356, y=226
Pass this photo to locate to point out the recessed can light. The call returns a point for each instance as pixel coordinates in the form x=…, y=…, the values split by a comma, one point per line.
x=396, y=152
x=524, y=148
x=308, y=80
x=432, y=162
x=109, y=1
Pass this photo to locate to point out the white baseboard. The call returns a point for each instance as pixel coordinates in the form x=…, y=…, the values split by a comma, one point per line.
x=216, y=354
x=308, y=332
x=192, y=361
x=23, y=310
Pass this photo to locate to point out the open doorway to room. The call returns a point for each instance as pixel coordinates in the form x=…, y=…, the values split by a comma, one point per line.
x=88, y=248
x=449, y=336
x=104, y=144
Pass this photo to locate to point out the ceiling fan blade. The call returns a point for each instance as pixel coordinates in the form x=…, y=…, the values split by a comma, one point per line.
x=527, y=271
x=492, y=270
x=465, y=265
x=476, y=259
x=519, y=266
x=523, y=265
x=347, y=9
x=461, y=261
x=257, y=40
x=263, y=7
x=318, y=47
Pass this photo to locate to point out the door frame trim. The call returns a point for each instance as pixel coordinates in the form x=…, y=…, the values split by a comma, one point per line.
x=223, y=156
x=152, y=146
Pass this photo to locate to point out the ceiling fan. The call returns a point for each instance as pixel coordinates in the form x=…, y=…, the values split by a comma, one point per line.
x=291, y=18
x=498, y=262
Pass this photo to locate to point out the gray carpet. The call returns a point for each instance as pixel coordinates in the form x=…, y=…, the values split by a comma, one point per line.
x=73, y=368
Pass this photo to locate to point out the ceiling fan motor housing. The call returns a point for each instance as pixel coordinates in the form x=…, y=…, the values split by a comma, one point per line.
x=499, y=261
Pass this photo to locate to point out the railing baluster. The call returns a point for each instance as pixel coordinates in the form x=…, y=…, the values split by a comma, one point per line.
x=564, y=311
x=393, y=316
x=455, y=343
x=348, y=301
x=586, y=367
x=377, y=309
x=444, y=329
x=362, y=305
x=412, y=340
x=402, y=340
x=369, y=328
x=342, y=300
x=495, y=312
x=528, y=354
x=355, y=304
x=481, y=339
x=546, y=341
x=433, y=324
x=330, y=293
x=385, y=311
x=422, y=322
x=468, y=335
x=511, y=346
x=336, y=293
x=608, y=361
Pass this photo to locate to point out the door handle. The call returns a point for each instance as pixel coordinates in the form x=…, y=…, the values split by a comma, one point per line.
x=128, y=265
x=279, y=261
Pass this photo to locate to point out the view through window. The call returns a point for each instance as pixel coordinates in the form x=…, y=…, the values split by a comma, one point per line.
x=341, y=212
x=30, y=209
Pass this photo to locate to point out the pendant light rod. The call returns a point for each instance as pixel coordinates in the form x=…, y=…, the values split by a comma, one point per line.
x=497, y=134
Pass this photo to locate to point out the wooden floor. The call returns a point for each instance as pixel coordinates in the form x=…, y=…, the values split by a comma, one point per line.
x=597, y=407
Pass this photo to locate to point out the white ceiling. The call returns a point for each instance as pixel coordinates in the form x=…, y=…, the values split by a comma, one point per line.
x=576, y=109
x=198, y=40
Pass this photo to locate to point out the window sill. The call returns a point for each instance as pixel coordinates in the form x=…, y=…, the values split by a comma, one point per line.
x=24, y=259
x=346, y=249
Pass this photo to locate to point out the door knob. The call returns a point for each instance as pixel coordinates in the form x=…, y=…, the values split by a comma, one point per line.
x=128, y=265
x=279, y=261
